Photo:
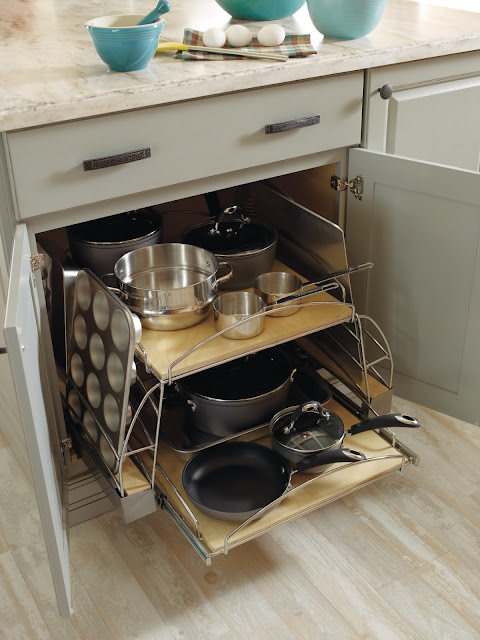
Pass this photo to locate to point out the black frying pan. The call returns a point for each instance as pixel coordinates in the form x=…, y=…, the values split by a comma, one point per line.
x=234, y=480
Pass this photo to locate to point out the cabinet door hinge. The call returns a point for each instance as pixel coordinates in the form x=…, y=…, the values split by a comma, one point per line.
x=355, y=185
x=37, y=261
x=65, y=445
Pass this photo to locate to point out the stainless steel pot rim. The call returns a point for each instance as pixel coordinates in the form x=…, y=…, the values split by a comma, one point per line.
x=133, y=290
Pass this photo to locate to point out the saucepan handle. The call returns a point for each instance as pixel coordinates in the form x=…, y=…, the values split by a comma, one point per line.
x=303, y=294
x=381, y=422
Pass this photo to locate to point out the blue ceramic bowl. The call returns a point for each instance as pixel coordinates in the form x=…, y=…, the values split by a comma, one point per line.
x=345, y=19
x=260, y=9
x=121, y=44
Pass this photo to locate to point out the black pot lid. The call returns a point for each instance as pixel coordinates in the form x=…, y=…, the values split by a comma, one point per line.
x=234, y=237
x=310, y=432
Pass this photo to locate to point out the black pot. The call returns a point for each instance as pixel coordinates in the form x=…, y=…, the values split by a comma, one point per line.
x=247, y=392
x=237, y=395
x=247, y=245
x=98, y=244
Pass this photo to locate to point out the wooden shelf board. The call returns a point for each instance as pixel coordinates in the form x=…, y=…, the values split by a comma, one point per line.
x=311, y=497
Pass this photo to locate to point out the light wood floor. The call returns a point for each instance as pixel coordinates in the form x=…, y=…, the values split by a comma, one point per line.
x=398, y=559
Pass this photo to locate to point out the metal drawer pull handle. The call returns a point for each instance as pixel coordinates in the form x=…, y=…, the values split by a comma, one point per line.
x=386, y=92
x=308, y=121
x=3, y=350
x=113, y=161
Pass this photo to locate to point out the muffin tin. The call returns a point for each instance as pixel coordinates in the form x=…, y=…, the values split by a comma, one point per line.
x=100, y=365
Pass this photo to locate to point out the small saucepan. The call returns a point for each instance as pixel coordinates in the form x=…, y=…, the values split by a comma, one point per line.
x=310, y=434
x=275, y=285
x=237, y=306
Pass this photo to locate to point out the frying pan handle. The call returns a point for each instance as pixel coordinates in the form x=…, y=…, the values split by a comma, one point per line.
x=329, y=457
x=389, y=420
x=309, y=406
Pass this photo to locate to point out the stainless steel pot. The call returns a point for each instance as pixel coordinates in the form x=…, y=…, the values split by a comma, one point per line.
x=275, y=285
x=313, y=435
x=170, y=286
x=247, y=245
x=98, y=244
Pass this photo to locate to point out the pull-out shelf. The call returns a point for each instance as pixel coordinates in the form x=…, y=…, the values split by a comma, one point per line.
x=174, y=354
x=212, y=537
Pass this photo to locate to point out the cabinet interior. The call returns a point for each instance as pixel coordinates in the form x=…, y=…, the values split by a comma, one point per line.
x=302, y=207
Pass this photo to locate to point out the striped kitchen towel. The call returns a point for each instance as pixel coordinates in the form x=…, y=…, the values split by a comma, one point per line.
x=294, y=46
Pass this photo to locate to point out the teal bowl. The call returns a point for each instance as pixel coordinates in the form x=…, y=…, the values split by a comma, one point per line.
x=260, y=9
x=123, y=45
x=345, y=19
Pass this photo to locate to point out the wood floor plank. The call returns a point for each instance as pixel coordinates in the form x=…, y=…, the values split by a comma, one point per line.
x=449, y=449
x=173, y=593
x=237, y=600
x=339, y=581
x=20, y=618
x=291, y=592
x=427, y=603
x=123, y=605
x=360, y=542
x=459, y=582
x=24, y=537
x=3, y=544
x=397, y=529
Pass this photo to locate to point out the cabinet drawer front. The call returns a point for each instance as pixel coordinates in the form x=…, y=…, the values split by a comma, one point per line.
x=73, y=164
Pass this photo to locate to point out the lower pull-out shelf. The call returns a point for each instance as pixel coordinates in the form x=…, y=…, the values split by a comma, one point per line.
x=307, y=492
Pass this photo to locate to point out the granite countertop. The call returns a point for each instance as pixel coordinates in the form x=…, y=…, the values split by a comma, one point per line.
x=50, y=72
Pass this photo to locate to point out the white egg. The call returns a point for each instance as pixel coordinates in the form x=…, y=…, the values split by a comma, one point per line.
x=271, y=35
x=238, y=35
x=214, y=37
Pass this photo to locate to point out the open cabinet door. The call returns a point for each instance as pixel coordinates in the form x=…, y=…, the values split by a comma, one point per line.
x=40, y=416
x=419, y=223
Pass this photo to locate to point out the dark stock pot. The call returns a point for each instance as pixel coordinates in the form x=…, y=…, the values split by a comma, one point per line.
x=246, y=392
x=98, y=244
x=248, y=245
x=312, y=434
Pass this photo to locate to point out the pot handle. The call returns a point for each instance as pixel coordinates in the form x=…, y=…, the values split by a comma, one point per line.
x=329, y=457
x=303, y=294
x=309, y=406
x=227, y=276
x=389, y=420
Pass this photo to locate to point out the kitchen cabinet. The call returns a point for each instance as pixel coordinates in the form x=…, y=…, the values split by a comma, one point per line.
x=422, y=227
x=38, y=207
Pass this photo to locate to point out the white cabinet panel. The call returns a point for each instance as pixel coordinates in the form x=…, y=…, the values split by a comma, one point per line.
x=39, y=417
x=432, y=114
x=419, y=224
x=437, y=123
